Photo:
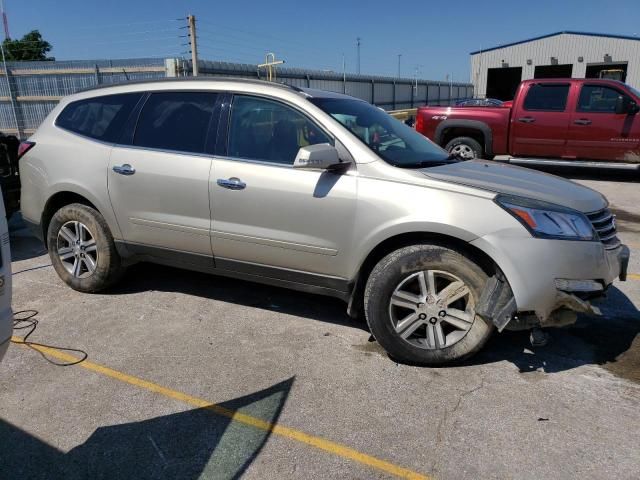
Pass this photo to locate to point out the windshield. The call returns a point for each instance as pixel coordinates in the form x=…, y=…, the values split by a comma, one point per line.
x=634, y=91
x=392, y=140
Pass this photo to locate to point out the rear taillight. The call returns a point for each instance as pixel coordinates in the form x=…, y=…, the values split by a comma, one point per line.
x=419, y=122
x=24, y=148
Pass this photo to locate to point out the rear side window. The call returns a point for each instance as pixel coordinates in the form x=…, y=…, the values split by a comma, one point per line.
x=101, y=118
x=598, y=99
x=547, y=97
x=175, y=121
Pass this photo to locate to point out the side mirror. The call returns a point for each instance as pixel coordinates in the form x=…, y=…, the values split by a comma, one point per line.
x=624, y=105
x=322, y=156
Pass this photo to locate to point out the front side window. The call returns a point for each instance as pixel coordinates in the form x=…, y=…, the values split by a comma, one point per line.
x=175, y=121
x=269, y=131
x=392, y=140
x=598, y=99
x=101, y=118
x=547, y=97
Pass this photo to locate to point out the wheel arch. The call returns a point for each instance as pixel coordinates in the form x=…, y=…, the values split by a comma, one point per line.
x=392, y=243
x=63, y=197
x=479, y=131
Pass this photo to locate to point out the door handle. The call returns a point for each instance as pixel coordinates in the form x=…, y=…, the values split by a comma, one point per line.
x=582, y=121
x=526, y=119
x=125, y=169
x=232, y=183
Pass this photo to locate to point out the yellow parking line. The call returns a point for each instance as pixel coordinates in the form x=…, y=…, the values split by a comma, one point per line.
x=297, y=435
x=633, y=276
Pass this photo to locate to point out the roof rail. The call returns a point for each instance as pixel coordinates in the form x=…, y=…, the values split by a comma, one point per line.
x=250, y=81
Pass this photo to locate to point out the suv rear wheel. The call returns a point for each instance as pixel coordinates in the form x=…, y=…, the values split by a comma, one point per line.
x=82, y=250
x=420, y=305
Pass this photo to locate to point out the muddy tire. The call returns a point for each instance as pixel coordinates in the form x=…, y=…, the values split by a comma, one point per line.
x=419, y=304
x=82, y=250
x=465, y=147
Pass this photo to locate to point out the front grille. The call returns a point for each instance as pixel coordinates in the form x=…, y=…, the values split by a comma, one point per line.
x=604, y=222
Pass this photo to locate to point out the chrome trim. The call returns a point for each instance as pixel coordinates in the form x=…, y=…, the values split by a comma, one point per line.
x=603, y=222
x=233, y=183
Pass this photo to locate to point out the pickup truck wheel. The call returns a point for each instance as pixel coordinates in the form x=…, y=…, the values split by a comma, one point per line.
x=82, y=250
x=420, y=305
x=464, y=147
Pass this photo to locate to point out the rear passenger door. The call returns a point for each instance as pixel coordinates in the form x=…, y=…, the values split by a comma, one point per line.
x=159, y=182
x=270, y=219
x=540, y=124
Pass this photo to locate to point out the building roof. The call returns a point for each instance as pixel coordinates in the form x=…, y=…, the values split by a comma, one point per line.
x=570, y=32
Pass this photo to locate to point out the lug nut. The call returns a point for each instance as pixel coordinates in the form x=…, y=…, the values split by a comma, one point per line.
x=442, y=313
x=433, y=320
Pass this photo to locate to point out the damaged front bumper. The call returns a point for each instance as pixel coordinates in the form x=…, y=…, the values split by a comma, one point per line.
x=498, y=303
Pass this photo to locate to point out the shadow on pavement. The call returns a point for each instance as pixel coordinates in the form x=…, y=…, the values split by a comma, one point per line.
x=147, y=277
x=23, y=244
x=610, y=175
x=610, y=340
x=186, y=445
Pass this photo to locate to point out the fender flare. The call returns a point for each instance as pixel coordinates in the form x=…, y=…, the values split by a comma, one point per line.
x=471, y=124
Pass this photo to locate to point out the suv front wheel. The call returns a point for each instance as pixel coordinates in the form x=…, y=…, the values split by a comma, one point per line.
x=82, y=250
x=420, y=305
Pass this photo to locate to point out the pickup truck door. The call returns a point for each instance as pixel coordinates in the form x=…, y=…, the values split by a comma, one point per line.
x=597, y=132
x=540, y=123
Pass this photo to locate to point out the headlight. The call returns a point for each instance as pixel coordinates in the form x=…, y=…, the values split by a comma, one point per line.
x=546, y=220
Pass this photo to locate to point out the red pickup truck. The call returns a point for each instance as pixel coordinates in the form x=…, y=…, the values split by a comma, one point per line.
x=557, y=120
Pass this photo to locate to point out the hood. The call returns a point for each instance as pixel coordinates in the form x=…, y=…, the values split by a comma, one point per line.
x=519, y=181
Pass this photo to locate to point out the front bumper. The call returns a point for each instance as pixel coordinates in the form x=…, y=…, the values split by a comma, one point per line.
x=531, y=267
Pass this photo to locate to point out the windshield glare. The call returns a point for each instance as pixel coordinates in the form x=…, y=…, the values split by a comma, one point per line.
x=392, y=140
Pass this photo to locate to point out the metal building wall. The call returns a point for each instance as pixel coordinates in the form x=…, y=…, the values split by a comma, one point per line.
x=566, y=48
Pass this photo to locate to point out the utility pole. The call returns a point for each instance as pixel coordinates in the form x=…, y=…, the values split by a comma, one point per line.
x=399, y=58
x=344, y=75
x=358, y=67
x=191, y=19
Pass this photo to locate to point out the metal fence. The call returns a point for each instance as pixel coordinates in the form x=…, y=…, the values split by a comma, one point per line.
x=30, y=90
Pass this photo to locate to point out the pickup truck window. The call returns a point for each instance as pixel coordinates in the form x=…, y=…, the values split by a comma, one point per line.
x=389, y=138
x=598, y=99
x=547, y=97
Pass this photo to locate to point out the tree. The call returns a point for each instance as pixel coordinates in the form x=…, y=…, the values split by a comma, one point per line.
x=30, y=47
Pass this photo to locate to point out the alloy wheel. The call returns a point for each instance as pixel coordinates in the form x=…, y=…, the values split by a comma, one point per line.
x=463, y=151
x=432, y=309
x=77, y=249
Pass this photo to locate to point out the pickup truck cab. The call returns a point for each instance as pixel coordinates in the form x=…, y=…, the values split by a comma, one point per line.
x=560, y=119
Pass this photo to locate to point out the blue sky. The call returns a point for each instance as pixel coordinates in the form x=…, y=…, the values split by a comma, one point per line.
x=436, y=36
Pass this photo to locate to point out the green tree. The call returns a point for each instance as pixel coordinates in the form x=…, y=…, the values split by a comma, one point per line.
x=30, y=47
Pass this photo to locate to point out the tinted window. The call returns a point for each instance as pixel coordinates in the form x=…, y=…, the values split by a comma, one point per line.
x=599, y=99
x=551, y=98
x=175, y=121
x=101, y=118
x=269, y=131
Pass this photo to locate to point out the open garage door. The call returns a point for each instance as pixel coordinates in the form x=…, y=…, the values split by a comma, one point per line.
x=612, y=71
x=553, y=71
x=502, y=83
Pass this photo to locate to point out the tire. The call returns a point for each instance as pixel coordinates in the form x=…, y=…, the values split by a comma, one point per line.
x=466, y=147
x=101, y=254
x=397, y=274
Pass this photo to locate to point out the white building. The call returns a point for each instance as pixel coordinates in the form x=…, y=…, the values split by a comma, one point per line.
x=496, y=72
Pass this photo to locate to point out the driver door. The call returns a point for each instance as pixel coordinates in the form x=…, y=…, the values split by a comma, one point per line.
x=267, y=217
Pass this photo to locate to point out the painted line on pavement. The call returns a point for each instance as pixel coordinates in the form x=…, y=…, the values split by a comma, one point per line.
x=276, y=429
